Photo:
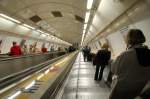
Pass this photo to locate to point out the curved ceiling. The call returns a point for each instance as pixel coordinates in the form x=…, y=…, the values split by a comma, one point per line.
x=63, y=18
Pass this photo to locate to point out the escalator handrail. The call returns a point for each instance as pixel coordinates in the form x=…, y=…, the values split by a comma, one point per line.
x=28, y=55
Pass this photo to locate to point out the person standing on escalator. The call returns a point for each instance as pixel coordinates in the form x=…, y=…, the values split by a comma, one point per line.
x=15, y=50
x=101, y=60
x=43, y=49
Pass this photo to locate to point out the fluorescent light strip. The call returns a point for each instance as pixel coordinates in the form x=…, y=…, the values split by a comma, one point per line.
x=39, y=77
x=89, y=4
x=83, y=31
x=30, y=85
x=87, y=17
x=52, y=68
x=83, y=36
x=43, y=35
x=47, y=34
x=28, y=26
x=40, y=31
x=47, y=71
x=85, y=26
x=14, y=95
x=9, y=18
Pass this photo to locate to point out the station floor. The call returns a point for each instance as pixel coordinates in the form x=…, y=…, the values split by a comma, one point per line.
x=81, y=84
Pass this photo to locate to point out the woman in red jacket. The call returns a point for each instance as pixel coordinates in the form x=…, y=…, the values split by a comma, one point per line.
x=15, y=50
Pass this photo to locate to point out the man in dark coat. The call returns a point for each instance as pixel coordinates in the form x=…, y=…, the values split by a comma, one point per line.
x=101, y=60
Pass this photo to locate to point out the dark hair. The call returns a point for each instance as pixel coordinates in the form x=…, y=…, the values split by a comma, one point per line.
x=135, y=36
x=14, y=42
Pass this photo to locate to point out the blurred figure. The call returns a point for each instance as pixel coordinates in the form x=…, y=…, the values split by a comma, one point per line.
x=71, y=49
x=15, y=50
x=59, y=48
x=85, y=53
x=34, y=47
x=89, y=55
x=101, y=60
x=31, y=49
x=44, y=49
x=52, y=48
x=66, y=50
x=132, y=68
x=25, y=49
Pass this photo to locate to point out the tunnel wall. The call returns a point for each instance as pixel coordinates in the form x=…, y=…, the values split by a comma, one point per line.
x=11, y=31
x=137, y=16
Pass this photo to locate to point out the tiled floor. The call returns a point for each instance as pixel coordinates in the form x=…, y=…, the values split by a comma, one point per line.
x=81, y=84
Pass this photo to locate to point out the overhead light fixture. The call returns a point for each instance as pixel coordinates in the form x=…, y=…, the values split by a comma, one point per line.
x=46, y=34
x=40, y=31
x=43, y=35
x=89, y=4
x=83, y=31
x=87, y=17
x=82, y=37
x=85, y=26
x=28, y=26
x=9, y=18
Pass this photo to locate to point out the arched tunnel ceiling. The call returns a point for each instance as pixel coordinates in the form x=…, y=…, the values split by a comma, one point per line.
x=66, y=22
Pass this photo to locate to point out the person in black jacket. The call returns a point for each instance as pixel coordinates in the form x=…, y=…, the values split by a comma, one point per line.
x=101, y=60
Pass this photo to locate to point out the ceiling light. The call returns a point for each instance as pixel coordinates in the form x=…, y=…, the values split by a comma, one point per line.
x=46, y=34
x=83, y=31
x=89, y=4
x=28, y=26
x=43, y=35
x=83, y=37
x=85, y=26
x=9, y=18
x=87, y=17
x=40, y=31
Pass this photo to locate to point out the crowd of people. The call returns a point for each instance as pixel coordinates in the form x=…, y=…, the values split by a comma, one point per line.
x=129, y=72
x=17, y=50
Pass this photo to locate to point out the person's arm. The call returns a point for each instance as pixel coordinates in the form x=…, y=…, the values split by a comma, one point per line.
x=116, y=64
